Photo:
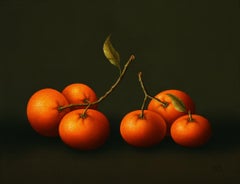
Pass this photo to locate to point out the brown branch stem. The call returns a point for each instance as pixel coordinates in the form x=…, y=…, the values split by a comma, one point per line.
x=146, y=95
x=83, y=115
x=132, y=57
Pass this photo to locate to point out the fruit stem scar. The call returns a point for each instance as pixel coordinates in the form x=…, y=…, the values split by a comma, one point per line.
x=83, y=116
x=141, y=116
x=122, y=73
x=164, y=104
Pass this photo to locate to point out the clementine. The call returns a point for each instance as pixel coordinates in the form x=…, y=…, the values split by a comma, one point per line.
x=143, y=131
x=175, y=103
x=84, y=130
x=79, y=93
x=43, y=111
x=193, y=131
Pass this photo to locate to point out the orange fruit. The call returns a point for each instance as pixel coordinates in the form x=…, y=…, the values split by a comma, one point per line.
x=79, y=93
x=145, y=131
x=192, y=132
x=42, y=111
x=174, y=101
x=84, y=132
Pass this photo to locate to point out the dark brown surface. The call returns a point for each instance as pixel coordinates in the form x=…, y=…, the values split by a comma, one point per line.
x=30, y=158
x=188, y=45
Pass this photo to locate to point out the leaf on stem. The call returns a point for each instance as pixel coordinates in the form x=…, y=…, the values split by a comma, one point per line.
x=177, y=103
x=111, y=54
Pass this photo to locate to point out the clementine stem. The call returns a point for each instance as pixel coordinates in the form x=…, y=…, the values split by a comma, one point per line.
x=132, y=57
x=146, y=93
x=142, y=84
x=190, y=119
x=83, y=115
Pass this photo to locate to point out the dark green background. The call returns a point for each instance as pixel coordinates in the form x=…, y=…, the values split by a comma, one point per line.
x=187, y=45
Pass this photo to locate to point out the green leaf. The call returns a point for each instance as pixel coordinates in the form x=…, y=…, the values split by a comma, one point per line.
x=177, y=103
x=110, y=53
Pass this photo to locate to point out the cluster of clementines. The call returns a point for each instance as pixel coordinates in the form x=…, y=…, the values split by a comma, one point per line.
x=169, y=113
x=70, y=114
x=73, y=115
